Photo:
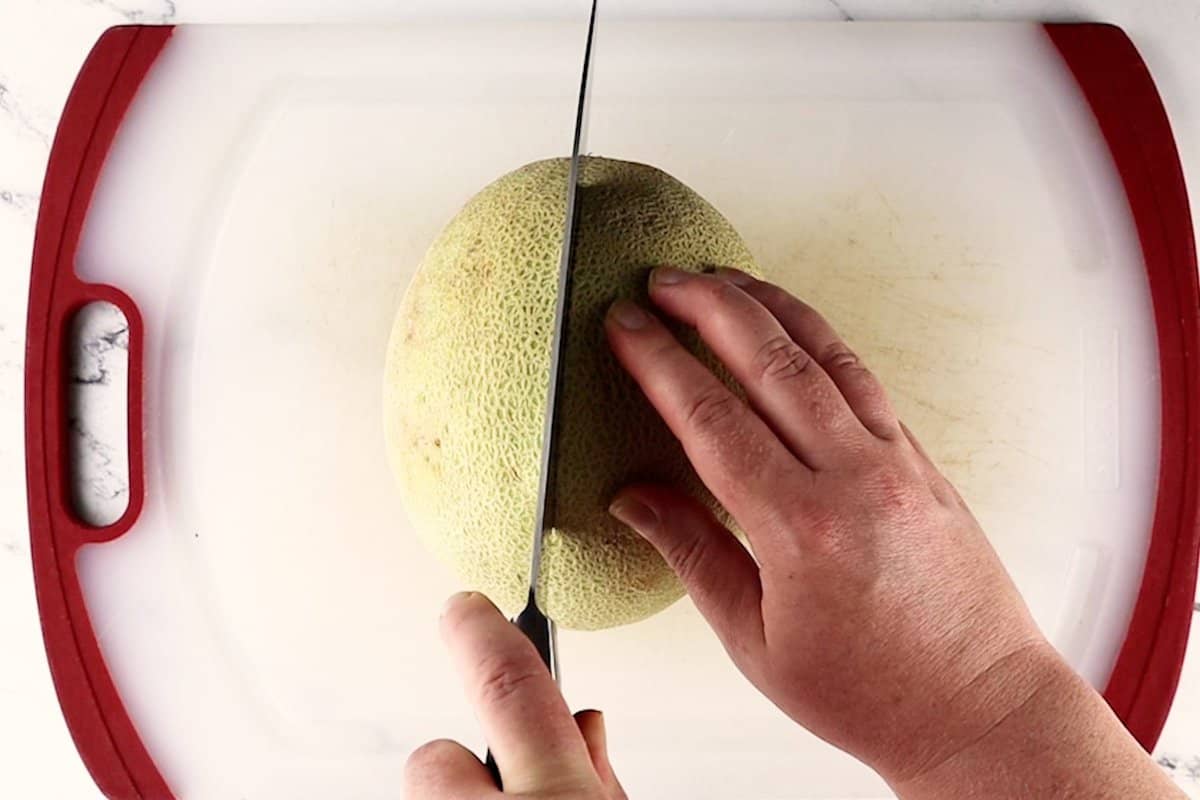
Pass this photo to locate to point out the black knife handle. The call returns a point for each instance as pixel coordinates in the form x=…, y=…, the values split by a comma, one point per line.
x=540, y=630
x=490, y=763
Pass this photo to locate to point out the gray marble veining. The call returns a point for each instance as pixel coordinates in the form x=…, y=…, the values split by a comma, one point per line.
x=96, y=414
x=23, y=116
x=141, y=13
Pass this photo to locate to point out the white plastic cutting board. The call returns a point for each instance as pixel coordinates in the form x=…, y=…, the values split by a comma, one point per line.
x=941, y=191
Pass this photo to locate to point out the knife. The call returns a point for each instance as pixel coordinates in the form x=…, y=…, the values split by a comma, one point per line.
x=531, y=621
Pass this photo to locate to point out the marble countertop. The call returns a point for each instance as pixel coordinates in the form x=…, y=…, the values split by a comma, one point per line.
x=42, y=43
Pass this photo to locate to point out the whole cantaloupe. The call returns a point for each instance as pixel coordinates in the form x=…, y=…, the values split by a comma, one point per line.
x=466, y=375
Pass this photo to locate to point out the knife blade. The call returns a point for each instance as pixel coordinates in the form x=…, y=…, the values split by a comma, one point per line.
x=531, y=621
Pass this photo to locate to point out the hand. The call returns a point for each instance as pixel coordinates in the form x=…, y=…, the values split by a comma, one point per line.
x=542, y=752
x=877, y=615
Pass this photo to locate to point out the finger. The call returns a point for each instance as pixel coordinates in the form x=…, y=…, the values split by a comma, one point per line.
x=445, y=770
x=942, y=488
x=783, y=381
x=719, y=575
x=740, y=460
x=916, y=445
x=534, y=739
x=863, y=392
x=591, y=726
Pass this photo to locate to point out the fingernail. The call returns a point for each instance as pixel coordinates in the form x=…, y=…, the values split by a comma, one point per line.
x=735, y=276
x=628, y=315
x=598, y=716
x=456, y=600
x=635, y=514
x=669, y=276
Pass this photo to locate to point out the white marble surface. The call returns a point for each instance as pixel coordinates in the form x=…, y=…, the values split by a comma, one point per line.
x=42, y=43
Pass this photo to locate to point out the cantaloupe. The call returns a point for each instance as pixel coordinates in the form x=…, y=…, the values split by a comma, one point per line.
x=466, y=374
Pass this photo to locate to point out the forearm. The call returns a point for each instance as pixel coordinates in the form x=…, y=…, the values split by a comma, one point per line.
x=1063, y=741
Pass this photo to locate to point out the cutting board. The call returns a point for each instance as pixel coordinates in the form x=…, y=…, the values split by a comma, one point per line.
x=992, y=214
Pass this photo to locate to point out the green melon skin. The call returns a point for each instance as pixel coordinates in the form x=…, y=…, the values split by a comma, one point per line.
x=466, y=375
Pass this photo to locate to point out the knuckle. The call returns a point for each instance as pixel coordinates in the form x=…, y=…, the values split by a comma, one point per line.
x=504, y=676
x=688, y=556
x=729, y=299
x=838, y=359
x=665, y=350
x=837, y=356
x=828, y=534
x=945, y=493
x=713, y=408
x=896, y=489
x=726, y=293
x=773, y=294
x=779, y=358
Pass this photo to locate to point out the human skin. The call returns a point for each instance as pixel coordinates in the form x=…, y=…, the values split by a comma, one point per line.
x=870, y=607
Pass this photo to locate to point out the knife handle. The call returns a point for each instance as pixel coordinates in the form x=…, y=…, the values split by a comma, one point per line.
x=493, y=770
x=540, y=630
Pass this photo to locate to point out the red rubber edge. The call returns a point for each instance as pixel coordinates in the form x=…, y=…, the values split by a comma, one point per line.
x=104, y=735
x=1131, y=116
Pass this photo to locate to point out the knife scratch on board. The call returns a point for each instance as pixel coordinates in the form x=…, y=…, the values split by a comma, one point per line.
x=845, y=14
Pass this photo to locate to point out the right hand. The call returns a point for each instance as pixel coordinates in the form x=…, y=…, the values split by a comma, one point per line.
x=877, y=615
x=543, y=753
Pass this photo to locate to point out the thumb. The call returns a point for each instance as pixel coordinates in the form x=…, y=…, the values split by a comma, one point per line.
x=717, y=571
x=445, y=770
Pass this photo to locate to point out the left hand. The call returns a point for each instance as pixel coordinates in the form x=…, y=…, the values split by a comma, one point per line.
x=542, y=751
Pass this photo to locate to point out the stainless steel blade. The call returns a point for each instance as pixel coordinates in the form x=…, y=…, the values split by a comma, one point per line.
x=531, y=621
x=536, y=626
x=546, y=479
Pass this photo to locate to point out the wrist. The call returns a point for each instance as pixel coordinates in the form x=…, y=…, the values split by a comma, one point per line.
x=1048, y=734
x=994, y=706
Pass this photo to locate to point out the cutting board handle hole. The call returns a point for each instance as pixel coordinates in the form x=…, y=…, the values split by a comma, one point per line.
x=97, y=396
